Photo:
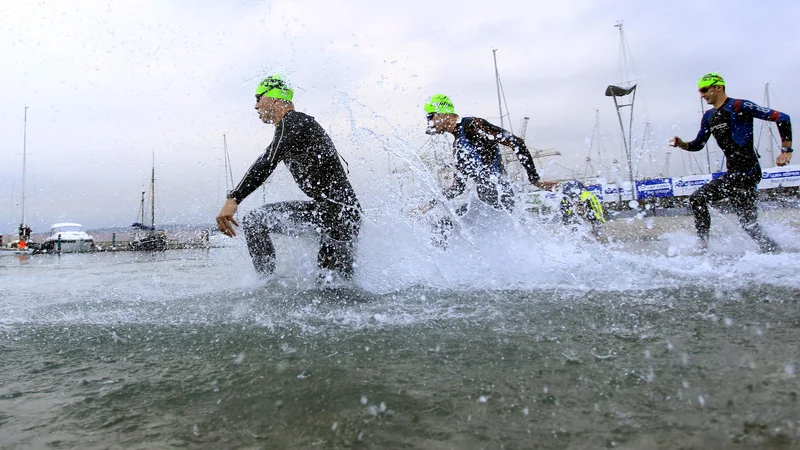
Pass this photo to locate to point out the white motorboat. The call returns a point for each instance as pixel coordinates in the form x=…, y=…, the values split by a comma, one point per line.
x=15, y=251
x=68, y=238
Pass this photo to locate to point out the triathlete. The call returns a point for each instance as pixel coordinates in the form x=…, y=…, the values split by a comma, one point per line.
x=309, y=154
x=731, y=123
x=578, y=203
x=477, y=153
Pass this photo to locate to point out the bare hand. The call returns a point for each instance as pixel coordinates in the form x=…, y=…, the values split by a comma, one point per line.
x=677, y=142
x=546, y=185
x=426, y=207
x=225, y=220
x=783, y=159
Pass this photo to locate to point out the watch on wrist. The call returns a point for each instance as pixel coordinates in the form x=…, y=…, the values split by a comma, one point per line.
x=231, y=196
x=787, y=150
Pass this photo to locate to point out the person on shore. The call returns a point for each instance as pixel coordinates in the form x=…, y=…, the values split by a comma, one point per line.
x=579, y=204
x=308, y=152
x=730, y=121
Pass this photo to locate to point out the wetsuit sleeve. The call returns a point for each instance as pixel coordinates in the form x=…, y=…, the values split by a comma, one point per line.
x=516, y=144
x=702, y=135
x=759, y=112
x=457, y=188
x=263, y=167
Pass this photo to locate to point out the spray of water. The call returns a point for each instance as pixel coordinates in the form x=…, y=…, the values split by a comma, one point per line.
x=402, y=276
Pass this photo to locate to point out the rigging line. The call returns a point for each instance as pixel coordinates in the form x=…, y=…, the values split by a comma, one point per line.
x=230, y=170
x=563, y=167
x=508, y=114
x=697, y=163
x=602, y=165
x=642, y=149
x=227, y=156
x=682, y=159
x=591, y=139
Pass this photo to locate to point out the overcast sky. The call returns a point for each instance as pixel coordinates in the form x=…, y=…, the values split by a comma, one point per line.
x=107, y=84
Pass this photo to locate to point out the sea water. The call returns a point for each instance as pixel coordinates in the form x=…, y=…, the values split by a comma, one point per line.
x=518, y=335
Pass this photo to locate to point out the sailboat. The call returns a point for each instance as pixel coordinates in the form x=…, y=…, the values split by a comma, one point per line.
x=22, y=246
x=146, y=237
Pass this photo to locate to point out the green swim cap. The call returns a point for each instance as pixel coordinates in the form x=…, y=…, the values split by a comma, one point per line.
x=710, y=79
x=274, y=87
x=441, y=104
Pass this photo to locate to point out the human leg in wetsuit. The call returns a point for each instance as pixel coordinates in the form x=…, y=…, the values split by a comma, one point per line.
x=338, y=226
x=496, y=193
x=740, y=188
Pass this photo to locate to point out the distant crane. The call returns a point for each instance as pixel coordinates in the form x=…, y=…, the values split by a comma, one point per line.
x=535, y=152
x=544, y=153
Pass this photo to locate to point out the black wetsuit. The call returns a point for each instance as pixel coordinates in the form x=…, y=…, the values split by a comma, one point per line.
x=477, y=155
x=333, y=211
x=732, y=128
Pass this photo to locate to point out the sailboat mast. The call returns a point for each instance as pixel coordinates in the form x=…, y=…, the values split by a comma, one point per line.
x=141, y=208
x=596, y=132
x=497, y=80
x=708, y=151
x=228, y=169
x=153, y=194
x=622, y=69
x=769, y=126
x=24, y=156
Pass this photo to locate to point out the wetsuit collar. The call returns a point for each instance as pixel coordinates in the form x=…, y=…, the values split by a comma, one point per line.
x=724, y=102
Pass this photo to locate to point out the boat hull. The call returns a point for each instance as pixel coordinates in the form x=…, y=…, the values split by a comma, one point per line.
x=68, y=246
x=15, y=251
x=152, y=242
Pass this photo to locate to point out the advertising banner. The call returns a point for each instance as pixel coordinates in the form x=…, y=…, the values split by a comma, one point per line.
x=775, y=177
x=685, y=186
x=615, y=193
x=655, y=188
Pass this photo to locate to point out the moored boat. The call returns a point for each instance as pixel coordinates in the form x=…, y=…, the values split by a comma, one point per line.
x=67, y=237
